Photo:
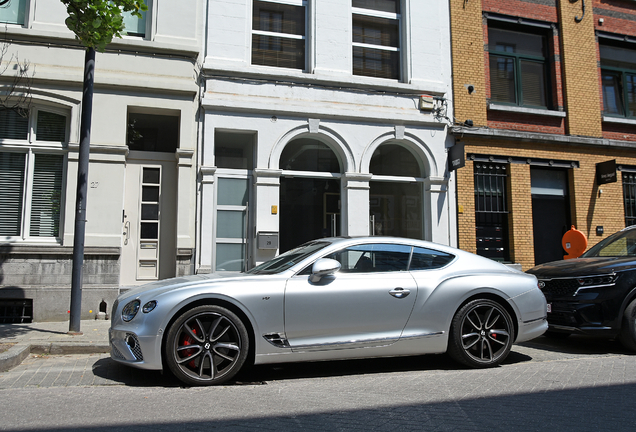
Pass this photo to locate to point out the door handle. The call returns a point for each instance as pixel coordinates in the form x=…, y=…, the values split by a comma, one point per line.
x=399, y=292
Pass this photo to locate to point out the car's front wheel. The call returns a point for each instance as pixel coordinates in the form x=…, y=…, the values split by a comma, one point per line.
x=481, y=334
x=627, y=337
x=206, y=345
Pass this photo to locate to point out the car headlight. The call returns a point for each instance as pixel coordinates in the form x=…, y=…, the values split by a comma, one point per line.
x=130, y=310
x=148, y=307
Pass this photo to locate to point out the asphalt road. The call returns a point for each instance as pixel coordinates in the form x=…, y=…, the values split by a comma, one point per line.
x=577, y=384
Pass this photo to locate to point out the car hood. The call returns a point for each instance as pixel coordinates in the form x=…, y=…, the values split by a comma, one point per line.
x=583, y=267
x=165, y=285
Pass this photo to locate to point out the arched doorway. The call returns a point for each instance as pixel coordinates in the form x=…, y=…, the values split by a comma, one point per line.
x=309, y=192
x=395, y=192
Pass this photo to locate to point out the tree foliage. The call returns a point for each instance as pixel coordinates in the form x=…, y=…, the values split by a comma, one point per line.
x=96, y=22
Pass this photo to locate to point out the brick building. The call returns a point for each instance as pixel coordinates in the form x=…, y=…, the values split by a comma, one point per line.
x=543, y=92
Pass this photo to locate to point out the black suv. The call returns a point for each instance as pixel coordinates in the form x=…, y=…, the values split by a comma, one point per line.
x=596, y=293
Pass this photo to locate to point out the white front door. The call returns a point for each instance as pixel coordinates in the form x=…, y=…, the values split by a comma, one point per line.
x=148, y=246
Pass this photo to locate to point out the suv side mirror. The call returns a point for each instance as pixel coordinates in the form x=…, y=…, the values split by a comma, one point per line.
x=322, y=268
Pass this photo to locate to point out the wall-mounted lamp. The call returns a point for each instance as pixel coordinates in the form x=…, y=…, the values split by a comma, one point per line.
x=470, y=89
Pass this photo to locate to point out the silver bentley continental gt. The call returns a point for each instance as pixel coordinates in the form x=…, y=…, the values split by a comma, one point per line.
x=330, y=299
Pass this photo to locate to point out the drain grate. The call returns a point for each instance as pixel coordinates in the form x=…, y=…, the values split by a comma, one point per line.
x=16, y=311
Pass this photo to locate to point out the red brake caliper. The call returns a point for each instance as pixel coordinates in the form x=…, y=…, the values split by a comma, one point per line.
x=187, y=340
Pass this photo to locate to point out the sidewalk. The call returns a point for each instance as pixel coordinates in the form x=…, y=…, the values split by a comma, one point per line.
x=51, y=338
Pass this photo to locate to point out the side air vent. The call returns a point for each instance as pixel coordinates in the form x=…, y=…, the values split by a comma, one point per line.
x=277, y=339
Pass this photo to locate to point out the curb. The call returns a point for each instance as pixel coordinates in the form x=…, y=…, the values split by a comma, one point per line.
x=17, y=353
x=14, y=356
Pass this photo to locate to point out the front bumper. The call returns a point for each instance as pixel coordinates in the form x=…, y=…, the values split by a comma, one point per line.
x=134, y=350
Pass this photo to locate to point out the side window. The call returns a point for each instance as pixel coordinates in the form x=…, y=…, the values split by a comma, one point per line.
x=373, y=258
x=428, y=259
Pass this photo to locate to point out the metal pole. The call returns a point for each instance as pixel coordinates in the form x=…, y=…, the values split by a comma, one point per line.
x=82, y=187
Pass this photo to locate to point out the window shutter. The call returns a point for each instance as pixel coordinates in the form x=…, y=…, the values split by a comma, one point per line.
x=51, y=127
x=391, y=6
x=47, y=195
x=11, y=194
x=13, y=125
x=533, y=83
x=278, y=52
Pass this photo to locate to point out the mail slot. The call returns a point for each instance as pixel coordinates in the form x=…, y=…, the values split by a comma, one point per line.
x=267, y=240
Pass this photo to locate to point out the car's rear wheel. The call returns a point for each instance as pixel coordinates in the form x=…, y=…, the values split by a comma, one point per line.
x=627, y=336
x=481, y=334
x=206, y=345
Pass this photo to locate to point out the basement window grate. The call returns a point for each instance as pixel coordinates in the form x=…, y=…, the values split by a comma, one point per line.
x=16, y=311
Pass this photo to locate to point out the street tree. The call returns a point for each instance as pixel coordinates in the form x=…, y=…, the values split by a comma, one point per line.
x=95, y=23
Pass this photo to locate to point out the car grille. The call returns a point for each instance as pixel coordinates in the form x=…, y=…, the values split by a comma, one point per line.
x=133, y=343
x=117, y=354
x=560, y=287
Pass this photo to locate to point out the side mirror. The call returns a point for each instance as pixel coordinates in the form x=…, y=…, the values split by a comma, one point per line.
x=322, y=268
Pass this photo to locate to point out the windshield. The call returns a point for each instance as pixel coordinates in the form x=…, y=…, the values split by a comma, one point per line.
x=620, y=244
x=288, y=259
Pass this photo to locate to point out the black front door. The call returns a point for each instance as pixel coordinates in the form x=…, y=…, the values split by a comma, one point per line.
x=550, y=213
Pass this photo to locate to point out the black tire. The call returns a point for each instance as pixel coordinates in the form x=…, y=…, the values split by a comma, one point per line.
x=206, y=345
x=481, y=334
x=556, y=335
x=627, y=336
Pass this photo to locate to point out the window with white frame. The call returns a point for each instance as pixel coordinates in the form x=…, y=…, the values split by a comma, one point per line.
x=134, y=26
x=13, y=11
x=279, y=33
x=31, y=174
x=376, y=38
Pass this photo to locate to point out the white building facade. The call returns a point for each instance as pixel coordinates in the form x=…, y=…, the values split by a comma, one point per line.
x=322, y=118
x=142, y=174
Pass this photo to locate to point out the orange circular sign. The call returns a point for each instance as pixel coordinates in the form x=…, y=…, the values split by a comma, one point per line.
x=574, y=243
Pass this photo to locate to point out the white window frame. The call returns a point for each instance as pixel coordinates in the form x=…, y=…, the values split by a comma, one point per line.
x=302, y=3
x=32, y=147
x=387, y=15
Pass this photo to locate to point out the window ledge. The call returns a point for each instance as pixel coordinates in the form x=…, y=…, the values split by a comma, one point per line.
x=534, y=111
x=621, y=120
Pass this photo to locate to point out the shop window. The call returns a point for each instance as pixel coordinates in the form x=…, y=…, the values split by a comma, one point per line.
x=376, y=38
x=279, y=33
x=152, y=132
x=31, y=174
x=491, y=210
x=618, y=71
x=13, y=12
x=518, y=67
x=395, y=193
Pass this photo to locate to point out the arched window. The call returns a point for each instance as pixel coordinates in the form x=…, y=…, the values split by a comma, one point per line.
x=306, y=154
x=309, y=192
x=395, y=192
